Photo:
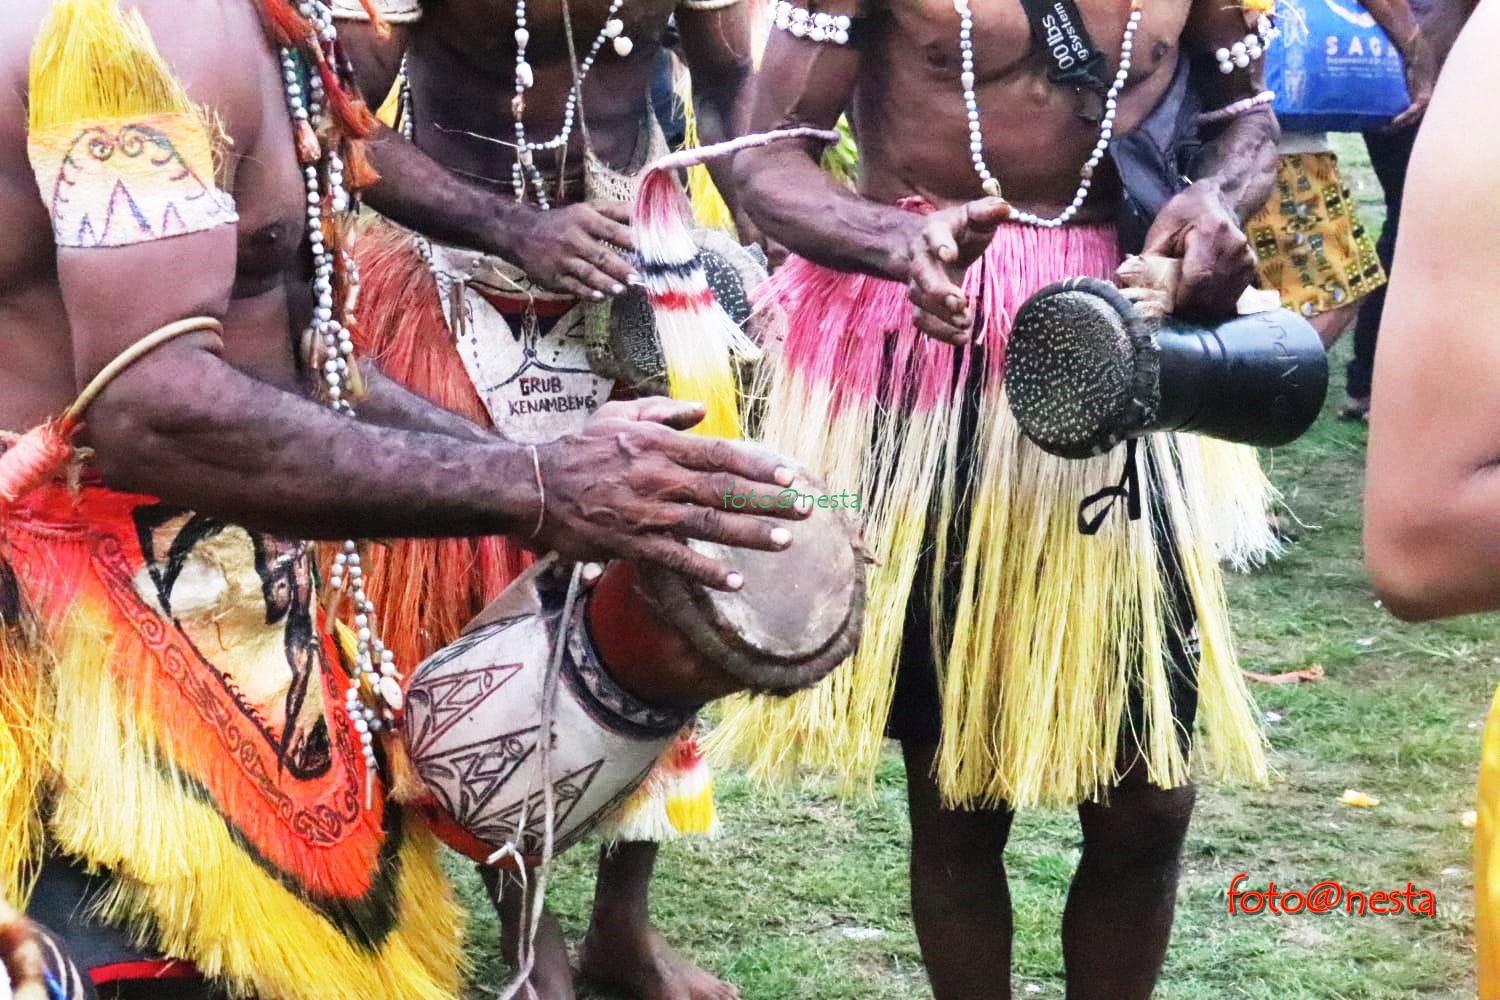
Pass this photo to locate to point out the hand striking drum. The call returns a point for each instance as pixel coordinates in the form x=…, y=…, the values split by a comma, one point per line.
x=636, y=657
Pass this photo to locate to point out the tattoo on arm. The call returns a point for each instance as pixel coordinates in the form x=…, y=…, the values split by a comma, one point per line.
x=223, y=449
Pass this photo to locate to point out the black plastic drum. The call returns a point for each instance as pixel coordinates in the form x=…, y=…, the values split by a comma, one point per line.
x=1085, y=371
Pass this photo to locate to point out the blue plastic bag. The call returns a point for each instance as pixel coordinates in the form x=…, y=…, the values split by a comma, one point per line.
x=1333, y=69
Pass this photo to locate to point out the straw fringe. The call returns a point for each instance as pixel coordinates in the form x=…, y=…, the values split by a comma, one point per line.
x=700, y=343
x=676, y=800
x=132, y=811
x=1241, y=496
x=426, y=589
x=709, y=209
x=843, y=430
x=1050, y=629
x=126, y=790
x=26, y=714
x=93, y=62
x=1232, y=745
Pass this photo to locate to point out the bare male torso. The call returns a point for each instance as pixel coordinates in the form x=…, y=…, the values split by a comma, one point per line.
x=269, y=299
x=462, y=63
x=911, y=122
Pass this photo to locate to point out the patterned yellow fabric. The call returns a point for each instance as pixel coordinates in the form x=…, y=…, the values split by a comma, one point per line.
x=1309, y=241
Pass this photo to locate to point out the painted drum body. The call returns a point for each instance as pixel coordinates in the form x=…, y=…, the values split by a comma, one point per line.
x=473, y=726
x=472, y=723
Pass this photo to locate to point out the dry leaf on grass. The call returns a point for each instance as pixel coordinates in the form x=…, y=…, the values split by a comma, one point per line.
x=1311, y=674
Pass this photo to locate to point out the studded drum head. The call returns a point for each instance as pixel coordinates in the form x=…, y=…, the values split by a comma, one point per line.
x=1081, y=369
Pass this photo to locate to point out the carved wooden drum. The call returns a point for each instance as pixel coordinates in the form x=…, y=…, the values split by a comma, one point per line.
x=640, y=656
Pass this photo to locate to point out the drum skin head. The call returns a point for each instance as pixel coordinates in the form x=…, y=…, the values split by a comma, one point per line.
x=799, y=614
x=1081, y=369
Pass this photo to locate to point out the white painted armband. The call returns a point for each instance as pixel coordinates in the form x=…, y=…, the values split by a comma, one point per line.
x=119, y=182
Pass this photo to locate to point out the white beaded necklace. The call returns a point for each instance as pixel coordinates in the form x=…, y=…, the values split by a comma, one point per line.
x=525, y=166
x=987, y=180
x=328, y=330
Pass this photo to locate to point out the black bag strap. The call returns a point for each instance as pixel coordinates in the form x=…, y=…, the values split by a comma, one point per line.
x=1128, y=488
x=1059, y=31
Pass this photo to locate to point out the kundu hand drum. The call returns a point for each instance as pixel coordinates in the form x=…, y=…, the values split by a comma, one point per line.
x=641, y=655
x=1085, y=370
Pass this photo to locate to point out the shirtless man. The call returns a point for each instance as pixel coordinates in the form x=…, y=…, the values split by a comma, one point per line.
x=460, y=58
x=226, y=426
x=555, y=246
x=928, y=129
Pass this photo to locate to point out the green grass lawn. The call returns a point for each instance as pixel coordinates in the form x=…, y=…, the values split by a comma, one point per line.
x=805, y=896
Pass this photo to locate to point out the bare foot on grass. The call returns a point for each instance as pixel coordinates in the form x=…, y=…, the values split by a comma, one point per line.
x=634, y=957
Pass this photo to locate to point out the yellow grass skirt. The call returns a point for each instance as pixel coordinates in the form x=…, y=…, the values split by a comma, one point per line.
x=1047, y=633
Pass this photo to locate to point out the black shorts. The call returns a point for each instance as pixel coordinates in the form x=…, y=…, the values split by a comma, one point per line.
x=916, y=712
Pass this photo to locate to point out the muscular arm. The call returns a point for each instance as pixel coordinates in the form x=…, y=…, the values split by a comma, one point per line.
x=414, y=189
x=1239, y=156
x=421, y=194
x=783, y=185
x=716, y=47
x=185, y=425
x=390, y=404
x=1432, y=495
x=1232, y=176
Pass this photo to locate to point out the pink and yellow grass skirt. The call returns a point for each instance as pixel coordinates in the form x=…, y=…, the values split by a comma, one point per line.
x=1042, y=635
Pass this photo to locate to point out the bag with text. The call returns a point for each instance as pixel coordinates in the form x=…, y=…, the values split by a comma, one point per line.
x=1333, y=69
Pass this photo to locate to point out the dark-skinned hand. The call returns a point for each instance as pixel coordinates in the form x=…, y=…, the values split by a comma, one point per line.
x=1420, y=60
x=632, y=485
x=571, y=249
x=1198, y=228
x=937, y=254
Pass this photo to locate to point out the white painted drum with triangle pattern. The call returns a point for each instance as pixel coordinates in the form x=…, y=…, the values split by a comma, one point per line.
x=473, y=725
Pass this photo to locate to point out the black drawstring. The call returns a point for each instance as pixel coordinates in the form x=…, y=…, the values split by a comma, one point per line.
x=1128, y=487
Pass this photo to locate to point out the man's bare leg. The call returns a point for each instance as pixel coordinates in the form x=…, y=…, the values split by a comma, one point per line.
x=623, y=950
x=1119, y=913
x=960, y=898
x=551, y=976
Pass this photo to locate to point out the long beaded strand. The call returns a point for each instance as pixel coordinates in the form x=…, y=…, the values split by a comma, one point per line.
x=308, y=106
x=987, y=180
x=525, y=166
